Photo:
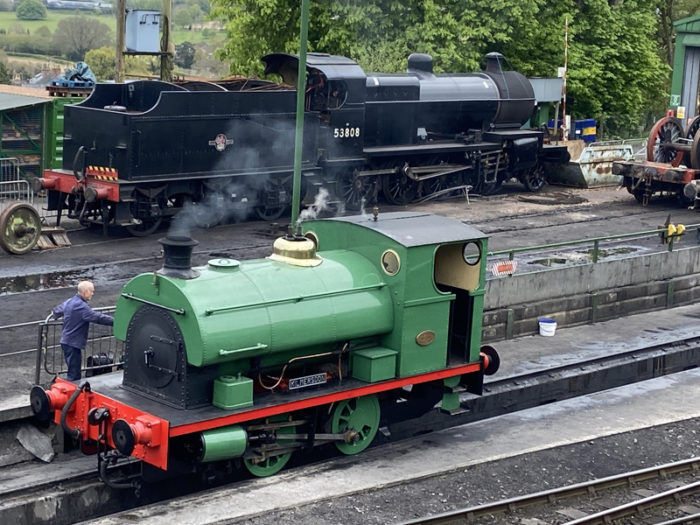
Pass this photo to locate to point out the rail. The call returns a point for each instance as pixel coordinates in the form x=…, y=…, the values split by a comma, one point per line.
x=595, y=251
x=470, y=514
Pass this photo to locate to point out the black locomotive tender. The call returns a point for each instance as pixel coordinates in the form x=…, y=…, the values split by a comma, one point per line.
x=139, y=152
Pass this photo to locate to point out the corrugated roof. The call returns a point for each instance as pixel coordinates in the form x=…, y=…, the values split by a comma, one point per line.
x=16, y=96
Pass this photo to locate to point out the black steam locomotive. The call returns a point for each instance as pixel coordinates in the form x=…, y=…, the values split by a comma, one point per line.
x=140, y=152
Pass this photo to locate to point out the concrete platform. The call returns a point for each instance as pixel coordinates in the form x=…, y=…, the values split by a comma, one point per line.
x=660, y=401
x=576, y=344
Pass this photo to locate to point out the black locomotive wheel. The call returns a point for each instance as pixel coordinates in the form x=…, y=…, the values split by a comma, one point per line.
x=275, y=199
x=534, y=179
x=357, y=192
x=399, y=189
x=663, y=138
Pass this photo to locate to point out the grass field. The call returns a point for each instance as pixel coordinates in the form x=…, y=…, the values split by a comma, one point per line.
x=8, y=20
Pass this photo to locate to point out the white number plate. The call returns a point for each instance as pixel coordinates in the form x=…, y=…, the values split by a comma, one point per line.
x=302, y=382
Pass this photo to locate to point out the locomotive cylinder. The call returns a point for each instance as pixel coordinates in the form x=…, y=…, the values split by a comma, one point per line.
x=223, y=443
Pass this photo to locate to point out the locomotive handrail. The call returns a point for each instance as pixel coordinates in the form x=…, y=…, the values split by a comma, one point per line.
x=295, y=299
x=178, y=311
x=596, y=242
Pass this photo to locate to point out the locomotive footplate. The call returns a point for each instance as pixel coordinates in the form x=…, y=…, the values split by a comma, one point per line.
x=186, y=421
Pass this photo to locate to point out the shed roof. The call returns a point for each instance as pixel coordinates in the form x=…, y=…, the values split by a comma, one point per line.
x=17, y=96
x=690, y=24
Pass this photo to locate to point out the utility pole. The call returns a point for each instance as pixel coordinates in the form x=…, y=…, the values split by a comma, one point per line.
x=167, y=49
x=121, y=41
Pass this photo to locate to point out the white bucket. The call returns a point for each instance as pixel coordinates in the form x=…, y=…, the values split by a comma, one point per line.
x=547, y=326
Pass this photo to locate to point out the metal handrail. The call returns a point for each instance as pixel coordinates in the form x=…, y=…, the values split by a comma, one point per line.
x=596, y=242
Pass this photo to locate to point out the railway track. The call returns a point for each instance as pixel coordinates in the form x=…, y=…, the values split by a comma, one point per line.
x=73, y=482
x=651, y=495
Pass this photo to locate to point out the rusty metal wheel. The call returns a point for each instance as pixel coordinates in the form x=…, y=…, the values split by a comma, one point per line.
x=665, y=135
x=694, y=154
x=20, y=228
x=690, y=133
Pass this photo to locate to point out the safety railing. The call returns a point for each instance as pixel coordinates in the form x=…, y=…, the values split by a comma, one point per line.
x=102, y=354
x=669, y=236
x=14, y=187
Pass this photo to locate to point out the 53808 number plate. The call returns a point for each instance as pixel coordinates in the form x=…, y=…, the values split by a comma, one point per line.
x=303, y=382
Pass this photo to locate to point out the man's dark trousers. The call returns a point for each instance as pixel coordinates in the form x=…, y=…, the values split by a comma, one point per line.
x=73, y=360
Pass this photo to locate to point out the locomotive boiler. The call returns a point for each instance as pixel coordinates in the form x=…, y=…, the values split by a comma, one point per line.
x=137, y=153
x=358, y=322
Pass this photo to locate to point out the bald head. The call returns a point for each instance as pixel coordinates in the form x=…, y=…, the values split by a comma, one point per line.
x=86, y=289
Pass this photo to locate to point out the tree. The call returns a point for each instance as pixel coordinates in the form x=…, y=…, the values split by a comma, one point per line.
x=5, y=76
x=184, y=55
x=31, y=10
x=101, y=62
x=76, y=35
x=668, y=11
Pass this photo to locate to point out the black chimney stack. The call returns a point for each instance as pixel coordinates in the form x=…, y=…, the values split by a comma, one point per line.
x=177, y=254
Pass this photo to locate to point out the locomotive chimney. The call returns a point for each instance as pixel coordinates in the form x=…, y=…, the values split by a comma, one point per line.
x=177, y=255
x=420, y=62
x=493, y=62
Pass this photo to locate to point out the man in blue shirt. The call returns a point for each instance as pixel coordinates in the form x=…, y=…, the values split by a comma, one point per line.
x=77, y=316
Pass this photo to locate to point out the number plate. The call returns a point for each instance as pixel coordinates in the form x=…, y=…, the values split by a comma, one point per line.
x=303, y=382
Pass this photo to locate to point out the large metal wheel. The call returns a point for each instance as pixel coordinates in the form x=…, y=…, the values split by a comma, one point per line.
x=269, y=463
x=690, y=132
x=274, y=199
x=20, y=228
x=399, y=189
x=664, y=137
x=534, y=179
x=357, y=192
x=358, y=418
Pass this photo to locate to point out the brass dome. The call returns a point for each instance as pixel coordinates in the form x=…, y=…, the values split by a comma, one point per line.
x=295, y=250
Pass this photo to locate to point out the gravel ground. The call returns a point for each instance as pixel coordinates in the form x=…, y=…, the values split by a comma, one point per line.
x=502, y=479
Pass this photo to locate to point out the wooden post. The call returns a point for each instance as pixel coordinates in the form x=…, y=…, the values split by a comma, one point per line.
x=167, y=48
x=121, y=41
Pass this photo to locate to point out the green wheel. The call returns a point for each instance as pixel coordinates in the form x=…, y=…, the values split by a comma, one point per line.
x=268, y=466
x=271, y=463
x=358, y=417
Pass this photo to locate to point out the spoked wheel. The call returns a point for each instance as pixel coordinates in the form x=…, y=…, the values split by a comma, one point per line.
x=693, y=157
x=358, y=419
x=399, y=188
x=270, y=463
x=20, y=228
x=664, y=136
x=274, y=199
x=356, y=191
x=534, y=179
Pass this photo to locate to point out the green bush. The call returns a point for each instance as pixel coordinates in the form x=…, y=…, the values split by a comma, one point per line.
x=31, y=10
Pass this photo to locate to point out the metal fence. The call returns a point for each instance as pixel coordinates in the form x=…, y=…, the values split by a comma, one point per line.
x=14, y=187
x=102, y=354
